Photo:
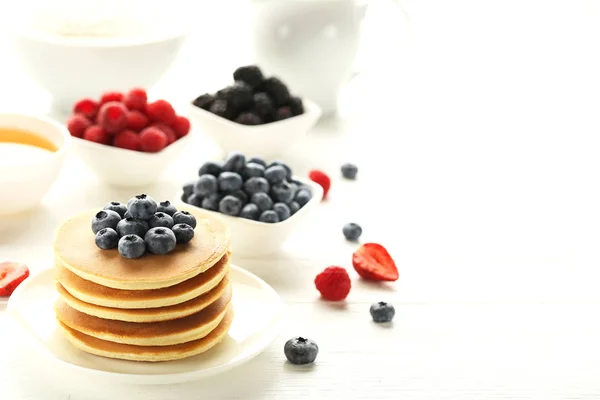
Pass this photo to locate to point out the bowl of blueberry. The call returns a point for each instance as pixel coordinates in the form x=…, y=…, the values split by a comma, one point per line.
x=256, y=115
x=262, y=202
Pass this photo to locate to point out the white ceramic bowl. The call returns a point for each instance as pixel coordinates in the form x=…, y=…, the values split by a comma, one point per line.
x=24, y=186
x=251, y=239
x=267, y=141
x=72, y=68
x=127, y=168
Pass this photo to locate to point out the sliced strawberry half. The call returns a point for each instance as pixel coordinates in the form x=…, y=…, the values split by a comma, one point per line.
x=372, y=261
x=11, y=276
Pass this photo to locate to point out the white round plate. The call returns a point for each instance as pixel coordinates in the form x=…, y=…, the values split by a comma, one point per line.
x=257, y=320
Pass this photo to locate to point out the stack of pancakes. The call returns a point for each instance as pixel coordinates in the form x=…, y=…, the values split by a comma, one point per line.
x=154, y=308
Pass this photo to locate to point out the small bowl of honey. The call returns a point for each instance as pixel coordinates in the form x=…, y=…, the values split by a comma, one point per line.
x=32, y=151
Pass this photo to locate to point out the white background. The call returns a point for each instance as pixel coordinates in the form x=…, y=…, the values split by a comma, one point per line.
x=477, y=142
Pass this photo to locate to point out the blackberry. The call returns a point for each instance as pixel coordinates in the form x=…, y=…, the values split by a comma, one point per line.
x=238, y=95
x=249, y=118
x=204, y=101
x=222, y=108
x=283, y=113
x=277, y=90
x=249, y=74
x=295, y=104
x=263, y=105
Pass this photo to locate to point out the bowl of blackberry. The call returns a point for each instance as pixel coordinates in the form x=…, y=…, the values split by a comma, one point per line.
x=257, y=114
x=262, y=202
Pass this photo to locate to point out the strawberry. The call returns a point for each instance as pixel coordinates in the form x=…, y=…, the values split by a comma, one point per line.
x=333, y=283
x=11, y=276
x=322, y=179
x=372, y=261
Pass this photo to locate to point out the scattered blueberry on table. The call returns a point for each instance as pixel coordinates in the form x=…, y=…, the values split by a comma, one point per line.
x=382, y=312
x=143, y=225
x=301, y=351
x=352, y=231
x=349, y=171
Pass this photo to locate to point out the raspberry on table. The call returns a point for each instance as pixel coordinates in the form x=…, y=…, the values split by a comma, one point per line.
x=128, y=139
x=86, y=107
x=113, y=117
x=153, y=140
x=96, y=134
x=181, y=126
x=77, y=125
x=111, y=96
x=333, y=283
x=161, y=111
x=136, y=120
x=136, y=99
x=171, y=137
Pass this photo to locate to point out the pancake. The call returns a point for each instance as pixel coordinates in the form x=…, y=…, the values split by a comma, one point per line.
x=105, y=348
x=162, y=333
x=93, y=293
x=149, y=314
x=75, y=249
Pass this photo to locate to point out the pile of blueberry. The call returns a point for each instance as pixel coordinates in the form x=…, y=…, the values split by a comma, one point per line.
x=248, y=188
x=142, y=225
x=253, y=99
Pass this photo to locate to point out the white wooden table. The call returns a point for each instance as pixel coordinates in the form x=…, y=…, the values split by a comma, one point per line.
x=478, y=153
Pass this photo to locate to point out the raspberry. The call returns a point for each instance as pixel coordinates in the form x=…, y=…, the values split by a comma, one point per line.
x=333, y=283
x=136, y=99
x=111, y=96
x=113, y=117
x=322, y=179
x=136, y=120
x=181, y=126
x=96, y=134
x=128, y=139
x=161, y=111
x=153, y=140
x=171, y=137
x=86, y=107
x=77, y=125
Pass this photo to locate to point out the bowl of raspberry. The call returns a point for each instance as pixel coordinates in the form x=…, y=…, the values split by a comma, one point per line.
x=262, y=202
x=257, y=114
x=125, y=139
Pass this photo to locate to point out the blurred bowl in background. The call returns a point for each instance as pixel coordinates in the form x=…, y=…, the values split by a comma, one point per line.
x=267, y=141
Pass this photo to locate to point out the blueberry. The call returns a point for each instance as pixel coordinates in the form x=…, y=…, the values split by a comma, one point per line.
x=352, y=231
x=194, y=200
x=301, y=351
x=253, y=169
x=249, y=118
x=235, y=162
x=269, y=216
x=160, y=219
x=382, y=312
x=117, y=207
x=282, y=210
x=204, y=101
x=294, y=207
x=256, y=184
x=257, y=160
x=222, y=108
x=263, y=105
x=166, y=207
x=211, y=202
x=132, y=226
x=295, y=104
x=283, y=113
x=250, y=211
x=131, y=246
x=240, y=194
x=188, y=189
x=249, y=74
x=206, y=185
x=275, y=88
x=288, y=170
x=107, y=238
x=275, y=174
x=303, y=196
x=127, y=215
x=283, y=192
x=105, y=219
x=262, y=200
x=183, y=233
x=230, y=181
x=211, y=168
x=142, y=206
x=160, y=240
x=184, y=217
x=349, y=171
x=238, y=95
x=230, y=205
